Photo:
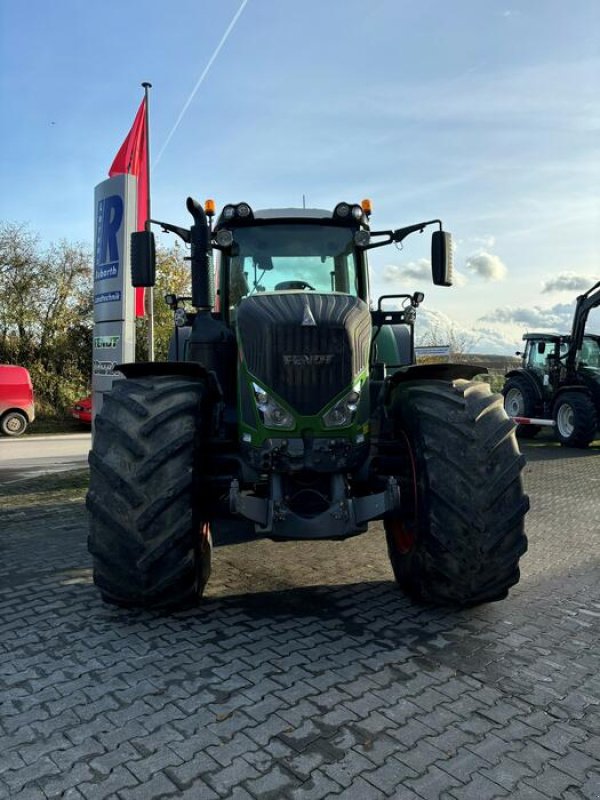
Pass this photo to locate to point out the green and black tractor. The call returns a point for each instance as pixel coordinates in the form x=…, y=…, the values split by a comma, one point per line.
x=558, y=383
x=293, y=403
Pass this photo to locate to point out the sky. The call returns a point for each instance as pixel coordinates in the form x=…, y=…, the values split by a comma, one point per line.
x=483, y=114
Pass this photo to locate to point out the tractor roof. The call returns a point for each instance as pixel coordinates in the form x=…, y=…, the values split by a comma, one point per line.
x=293, y=213
x=546, y=337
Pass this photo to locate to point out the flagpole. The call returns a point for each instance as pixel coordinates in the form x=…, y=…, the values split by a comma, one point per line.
x=150, y=289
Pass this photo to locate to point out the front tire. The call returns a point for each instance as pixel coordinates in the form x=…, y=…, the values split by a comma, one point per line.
x=149, y=533
x=576, y=419
x=459, y=533
x=520, y=401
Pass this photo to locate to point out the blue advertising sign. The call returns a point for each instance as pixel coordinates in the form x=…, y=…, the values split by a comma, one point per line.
x=109, y=218
x=107, y=297
x=115, y=214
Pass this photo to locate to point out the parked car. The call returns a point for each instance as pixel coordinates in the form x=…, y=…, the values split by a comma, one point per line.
x=17, y=409
x=82, y=410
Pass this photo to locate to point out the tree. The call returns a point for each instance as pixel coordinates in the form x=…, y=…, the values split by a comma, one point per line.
x=440, y=332
x=172, y=276
x=46, y=313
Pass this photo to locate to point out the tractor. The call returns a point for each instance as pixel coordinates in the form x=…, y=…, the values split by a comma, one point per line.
x=558, y=383
x=294, y=405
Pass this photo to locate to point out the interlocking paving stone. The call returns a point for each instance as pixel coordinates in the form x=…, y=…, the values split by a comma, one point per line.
x=305, y=674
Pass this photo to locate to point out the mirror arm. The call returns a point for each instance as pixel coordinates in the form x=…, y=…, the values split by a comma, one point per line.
x=387, y=241
x=183, y=233
x=400, y=233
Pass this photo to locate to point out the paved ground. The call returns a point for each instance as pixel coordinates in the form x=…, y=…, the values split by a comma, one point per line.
x=32, y=455
x=305, y=674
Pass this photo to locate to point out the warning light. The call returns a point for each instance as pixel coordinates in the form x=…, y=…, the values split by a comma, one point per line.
x=209, y=208
x=366, y=206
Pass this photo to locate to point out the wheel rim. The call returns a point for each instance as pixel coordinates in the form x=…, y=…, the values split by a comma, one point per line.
x=565, y=420
x=14, y=425
x=403, y=535
x=514, y=403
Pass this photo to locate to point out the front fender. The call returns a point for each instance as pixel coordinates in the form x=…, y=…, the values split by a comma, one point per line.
x=523, y=373
x=142, y=369
x=432, y=372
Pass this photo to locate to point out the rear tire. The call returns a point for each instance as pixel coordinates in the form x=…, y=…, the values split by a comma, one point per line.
x=576, y=419
x=520, y=401
x=149, y=533
x=459, y=534
x=14, y=423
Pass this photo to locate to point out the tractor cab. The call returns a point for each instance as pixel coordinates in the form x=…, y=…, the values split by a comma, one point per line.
x=289, y=250
x=541, y=358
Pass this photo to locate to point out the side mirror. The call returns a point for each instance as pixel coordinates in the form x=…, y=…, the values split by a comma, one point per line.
x=143, y=259
x=541, y=348
x=417, y=299
x=441, y=258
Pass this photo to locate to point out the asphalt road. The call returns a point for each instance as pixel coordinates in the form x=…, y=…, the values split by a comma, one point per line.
x=305, y=674
x=27, y=457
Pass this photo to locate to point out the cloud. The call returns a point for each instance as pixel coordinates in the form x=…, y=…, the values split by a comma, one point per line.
x=569, y=282
x=557, y=317
x=436, y=328
x=487, y=266
x=494, y=341
x=486, y=242
x=414, y=271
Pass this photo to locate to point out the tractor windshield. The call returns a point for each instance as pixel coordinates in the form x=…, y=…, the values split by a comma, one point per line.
x=274, y=258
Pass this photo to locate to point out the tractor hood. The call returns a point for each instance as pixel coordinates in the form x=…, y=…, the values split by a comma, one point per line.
x=305, y=346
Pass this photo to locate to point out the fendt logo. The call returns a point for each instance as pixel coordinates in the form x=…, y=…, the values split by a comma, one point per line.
x=307, y=359
x=109, y=216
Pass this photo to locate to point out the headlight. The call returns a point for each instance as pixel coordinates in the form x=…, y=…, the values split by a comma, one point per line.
x=181, y=317
x=343, y=411
x=271, y=413
x=228, y=212
x=224, y=238
x=342, y=210
x=362, y=238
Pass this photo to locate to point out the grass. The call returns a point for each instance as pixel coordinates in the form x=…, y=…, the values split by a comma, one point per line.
x=44, y=424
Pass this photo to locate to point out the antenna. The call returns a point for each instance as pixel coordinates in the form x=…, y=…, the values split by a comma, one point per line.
x=303, y=201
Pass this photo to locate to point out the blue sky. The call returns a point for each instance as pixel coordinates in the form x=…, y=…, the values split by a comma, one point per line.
x=486, y=114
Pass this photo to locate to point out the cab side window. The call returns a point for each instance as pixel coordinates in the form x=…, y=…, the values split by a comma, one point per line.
x=535, y=359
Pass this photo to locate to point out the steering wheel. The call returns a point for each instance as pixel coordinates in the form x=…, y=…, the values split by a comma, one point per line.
x=281, y=287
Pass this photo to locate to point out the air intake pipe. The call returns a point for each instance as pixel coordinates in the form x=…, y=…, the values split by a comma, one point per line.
x=203, y=279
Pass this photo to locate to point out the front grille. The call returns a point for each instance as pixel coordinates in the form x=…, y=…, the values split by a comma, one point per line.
x=307, y=365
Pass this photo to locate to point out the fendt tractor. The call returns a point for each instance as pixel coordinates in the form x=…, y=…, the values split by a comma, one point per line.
x=558, y=383
x=293, y=404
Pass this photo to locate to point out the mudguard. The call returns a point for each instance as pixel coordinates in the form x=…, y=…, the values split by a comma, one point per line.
x=144, y=368
x=523, y=373
x=432, y=372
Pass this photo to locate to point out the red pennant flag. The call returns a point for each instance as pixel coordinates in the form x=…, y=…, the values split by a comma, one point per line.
x=132, y=159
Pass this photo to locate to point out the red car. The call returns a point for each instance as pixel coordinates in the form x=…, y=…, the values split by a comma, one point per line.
x=82, y=410
x=16, y=400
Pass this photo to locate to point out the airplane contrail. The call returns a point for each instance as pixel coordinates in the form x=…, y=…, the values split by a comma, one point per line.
x=200, y=81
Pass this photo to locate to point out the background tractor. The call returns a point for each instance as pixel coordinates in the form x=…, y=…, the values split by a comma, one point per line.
x=293, y=404
x=559, y=381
